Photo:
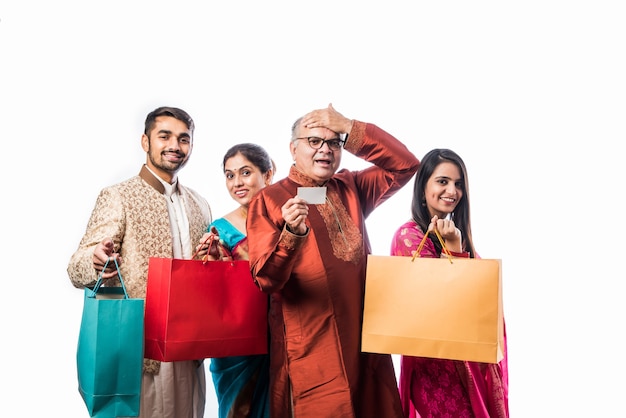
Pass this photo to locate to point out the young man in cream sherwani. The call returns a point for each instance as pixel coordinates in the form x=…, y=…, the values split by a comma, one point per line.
x=150, y=215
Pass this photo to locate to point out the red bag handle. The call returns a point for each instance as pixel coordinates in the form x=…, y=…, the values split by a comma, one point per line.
x=221, y=250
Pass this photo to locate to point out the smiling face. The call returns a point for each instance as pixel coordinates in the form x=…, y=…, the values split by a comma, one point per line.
x=168, y=146
x=318, y=164
x=444, y=189
x=244, y=179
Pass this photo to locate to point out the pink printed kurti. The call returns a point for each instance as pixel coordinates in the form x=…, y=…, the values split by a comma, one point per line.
x=432, y=388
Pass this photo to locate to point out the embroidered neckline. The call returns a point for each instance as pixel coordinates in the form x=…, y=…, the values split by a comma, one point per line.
x=345, y=236
x=301, y=178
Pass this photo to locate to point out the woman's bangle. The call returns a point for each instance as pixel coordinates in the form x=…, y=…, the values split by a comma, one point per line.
x=463, y=254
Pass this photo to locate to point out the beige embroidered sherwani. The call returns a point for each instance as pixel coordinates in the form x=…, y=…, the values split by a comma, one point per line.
x=135, y=215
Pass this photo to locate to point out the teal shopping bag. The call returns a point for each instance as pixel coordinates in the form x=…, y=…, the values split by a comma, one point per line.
x=109, y=356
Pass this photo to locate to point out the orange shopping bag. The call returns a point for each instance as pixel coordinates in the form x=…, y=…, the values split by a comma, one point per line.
x=448, y=308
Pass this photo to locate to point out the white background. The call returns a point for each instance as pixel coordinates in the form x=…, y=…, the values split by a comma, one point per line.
x=531, y=94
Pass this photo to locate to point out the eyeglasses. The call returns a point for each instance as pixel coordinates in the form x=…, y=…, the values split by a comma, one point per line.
x=334, y=144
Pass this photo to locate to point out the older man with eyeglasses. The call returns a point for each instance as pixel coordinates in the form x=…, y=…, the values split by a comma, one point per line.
x=311, y=259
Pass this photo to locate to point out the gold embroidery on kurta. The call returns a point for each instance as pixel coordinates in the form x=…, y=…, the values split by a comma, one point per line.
x=345, y=236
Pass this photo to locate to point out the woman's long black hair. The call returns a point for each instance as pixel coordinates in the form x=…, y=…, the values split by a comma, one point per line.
x=461, y=214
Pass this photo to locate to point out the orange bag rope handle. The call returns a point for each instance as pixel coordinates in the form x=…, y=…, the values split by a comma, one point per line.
x=423, y=241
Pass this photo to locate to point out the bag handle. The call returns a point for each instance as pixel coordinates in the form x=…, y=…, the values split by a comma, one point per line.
x=211, y=239
x=100, y=280
x=423, y=241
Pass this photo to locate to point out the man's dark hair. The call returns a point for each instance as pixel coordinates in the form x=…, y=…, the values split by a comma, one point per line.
x=168, y=111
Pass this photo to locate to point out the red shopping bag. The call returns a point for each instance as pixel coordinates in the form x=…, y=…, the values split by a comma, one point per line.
x=199, y=309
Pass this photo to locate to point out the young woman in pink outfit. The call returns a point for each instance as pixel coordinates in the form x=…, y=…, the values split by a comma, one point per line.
x=431, y=388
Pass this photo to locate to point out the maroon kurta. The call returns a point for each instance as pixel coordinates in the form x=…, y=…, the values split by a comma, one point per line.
x=317, y=284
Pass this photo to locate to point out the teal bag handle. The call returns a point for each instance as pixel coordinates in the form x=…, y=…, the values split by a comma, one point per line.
x=109, y=353
x=100, y=280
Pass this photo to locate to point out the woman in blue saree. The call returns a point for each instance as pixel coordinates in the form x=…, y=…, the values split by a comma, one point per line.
x=241, y=382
